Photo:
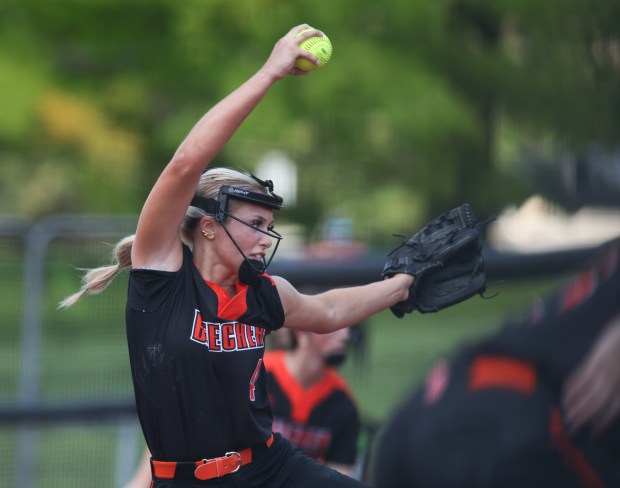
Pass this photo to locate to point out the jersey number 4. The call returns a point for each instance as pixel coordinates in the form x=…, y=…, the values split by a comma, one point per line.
x=254, y=378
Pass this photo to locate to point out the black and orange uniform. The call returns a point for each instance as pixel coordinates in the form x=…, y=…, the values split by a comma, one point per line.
x=321, y=420
x=184, y=331
x=491, y=415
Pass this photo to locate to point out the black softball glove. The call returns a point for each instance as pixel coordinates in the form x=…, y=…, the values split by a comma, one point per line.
x=445, y=257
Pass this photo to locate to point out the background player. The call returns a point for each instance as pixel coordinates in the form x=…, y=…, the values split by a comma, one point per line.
x=311, y=402
x=492, y=415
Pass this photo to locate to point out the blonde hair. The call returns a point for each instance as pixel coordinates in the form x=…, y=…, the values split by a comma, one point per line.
x=209, y=186
x=96, y=280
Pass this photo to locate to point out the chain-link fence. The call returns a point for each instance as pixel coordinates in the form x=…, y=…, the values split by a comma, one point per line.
x=67, y=417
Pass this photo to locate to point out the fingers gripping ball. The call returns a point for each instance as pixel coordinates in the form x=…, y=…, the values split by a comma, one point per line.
x=320, y=46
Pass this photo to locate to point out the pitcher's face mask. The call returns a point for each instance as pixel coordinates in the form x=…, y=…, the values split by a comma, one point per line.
x=250, y=269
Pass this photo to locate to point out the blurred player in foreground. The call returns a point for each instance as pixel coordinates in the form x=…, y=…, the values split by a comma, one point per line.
x=535, y=405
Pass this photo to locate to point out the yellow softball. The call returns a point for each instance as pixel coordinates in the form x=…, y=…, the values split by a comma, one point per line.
x=320, y=46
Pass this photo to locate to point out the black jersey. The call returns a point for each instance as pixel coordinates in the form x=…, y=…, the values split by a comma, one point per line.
x=197, y=361
x=321, y=420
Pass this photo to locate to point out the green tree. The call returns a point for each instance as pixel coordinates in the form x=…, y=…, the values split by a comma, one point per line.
x=424, y=104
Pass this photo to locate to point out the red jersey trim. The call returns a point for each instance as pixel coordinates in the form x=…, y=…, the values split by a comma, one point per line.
x=303, y=400
x=572, y=456
x=231, y=308
x=489, y=371
x=579, y=291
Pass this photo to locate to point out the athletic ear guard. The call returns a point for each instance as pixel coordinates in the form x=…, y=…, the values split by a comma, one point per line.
x=250, y=269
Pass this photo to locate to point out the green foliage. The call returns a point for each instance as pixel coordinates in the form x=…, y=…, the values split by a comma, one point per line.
x=437, y=98
x=20, y=87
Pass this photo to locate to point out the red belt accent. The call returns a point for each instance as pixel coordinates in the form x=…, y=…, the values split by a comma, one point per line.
x=207, y=469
